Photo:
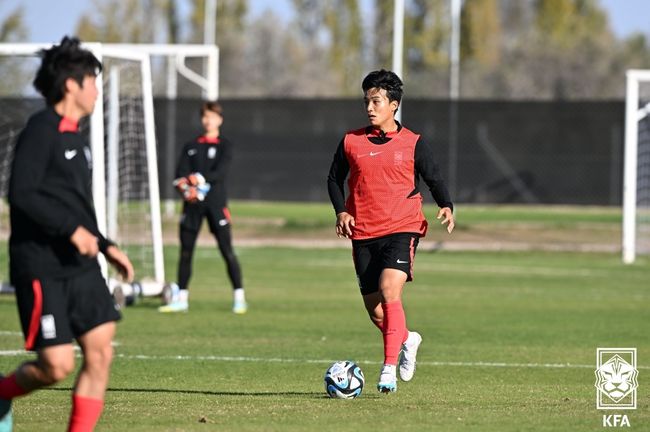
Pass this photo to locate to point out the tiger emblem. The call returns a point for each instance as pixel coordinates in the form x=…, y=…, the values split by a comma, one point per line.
x=616, y=378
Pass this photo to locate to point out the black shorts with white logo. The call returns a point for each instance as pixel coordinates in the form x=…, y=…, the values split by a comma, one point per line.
x=372, y=256
x=193, y=214
x=56, y=311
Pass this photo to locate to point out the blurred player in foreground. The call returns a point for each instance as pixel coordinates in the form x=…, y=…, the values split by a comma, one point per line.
x=201, y=179
x=60, y=291
x=383, y=215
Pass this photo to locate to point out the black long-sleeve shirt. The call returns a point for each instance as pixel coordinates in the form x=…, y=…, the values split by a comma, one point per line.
x=50, y=195
x=425, y=167
x=211, y=158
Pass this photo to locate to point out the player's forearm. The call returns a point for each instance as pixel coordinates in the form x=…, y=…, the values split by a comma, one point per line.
x=183, y=168
x=47, y=213
x=337, y=196
x=430, y=173
x=440, y=194
x=339, y=170
x=219, y=173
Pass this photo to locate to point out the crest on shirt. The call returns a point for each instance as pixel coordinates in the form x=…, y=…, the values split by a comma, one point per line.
x=212, y=152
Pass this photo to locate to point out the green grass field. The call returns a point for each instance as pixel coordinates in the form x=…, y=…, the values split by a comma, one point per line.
x=510, y=343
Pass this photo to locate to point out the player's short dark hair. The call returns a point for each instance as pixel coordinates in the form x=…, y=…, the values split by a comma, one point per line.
x=384, y=79
x=63, y=61
x=212, y=106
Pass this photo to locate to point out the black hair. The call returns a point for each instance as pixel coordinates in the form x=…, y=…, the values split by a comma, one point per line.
x=212, y=106
x=63, y=61
x=384, y=79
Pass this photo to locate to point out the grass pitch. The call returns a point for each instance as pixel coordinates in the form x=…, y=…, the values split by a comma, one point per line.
x=509, y=344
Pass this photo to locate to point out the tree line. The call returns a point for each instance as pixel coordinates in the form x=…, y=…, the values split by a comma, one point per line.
x=510, y=49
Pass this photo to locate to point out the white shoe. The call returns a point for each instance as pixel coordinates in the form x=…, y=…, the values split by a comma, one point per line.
x=239, y=307
x=407, y=359
x=171, y=293
x=177, y=306
x=387, y=379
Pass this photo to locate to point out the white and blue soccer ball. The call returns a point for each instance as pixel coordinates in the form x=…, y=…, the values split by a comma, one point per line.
x=344, y=380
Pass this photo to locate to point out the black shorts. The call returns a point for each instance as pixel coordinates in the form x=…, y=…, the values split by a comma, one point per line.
x=193, y=214
x=371, y=257
x=56, y=311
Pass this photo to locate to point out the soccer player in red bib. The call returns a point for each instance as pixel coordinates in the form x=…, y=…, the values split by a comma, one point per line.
x=383, y=215
x=201, y=179
x=60, y=292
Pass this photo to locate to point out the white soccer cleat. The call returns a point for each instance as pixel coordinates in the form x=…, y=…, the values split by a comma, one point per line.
x=170, y=293
x=387, y=379
x=239, y=307
x=177, y=306
x=6, y=420
x=407, y=359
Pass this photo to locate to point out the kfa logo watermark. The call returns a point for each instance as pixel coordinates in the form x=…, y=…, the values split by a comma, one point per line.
x=616, y=383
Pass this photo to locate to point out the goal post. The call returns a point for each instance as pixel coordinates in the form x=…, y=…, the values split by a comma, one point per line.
x=115, y=196
x=124, y=116
x=122, y=138
x=636, y=181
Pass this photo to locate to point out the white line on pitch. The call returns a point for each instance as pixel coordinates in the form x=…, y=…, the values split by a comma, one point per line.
x=11, y=353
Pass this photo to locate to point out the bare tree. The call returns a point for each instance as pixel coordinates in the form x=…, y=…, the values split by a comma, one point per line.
x=127, y=21
x=15, y=79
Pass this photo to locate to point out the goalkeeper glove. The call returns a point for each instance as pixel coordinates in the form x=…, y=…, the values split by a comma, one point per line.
x=193, y=187
x=196, y=179
x=191, y=194
x=181, y=184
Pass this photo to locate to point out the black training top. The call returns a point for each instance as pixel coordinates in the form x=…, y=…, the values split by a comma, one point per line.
x=50, y=196
x=211, y=158
x=425, y=167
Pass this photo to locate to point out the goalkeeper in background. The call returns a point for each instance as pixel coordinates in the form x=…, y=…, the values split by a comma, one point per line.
x=60, y=292
x=383, y=215
x=201, y=179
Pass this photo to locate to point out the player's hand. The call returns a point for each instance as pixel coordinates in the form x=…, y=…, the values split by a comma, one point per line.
x=85, y=242
x=344, y=224
x=121, y=262
x=447, y=217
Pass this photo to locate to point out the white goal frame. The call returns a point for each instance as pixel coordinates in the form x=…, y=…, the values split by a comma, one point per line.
x=633, y=115
x=97, y=140
x=142, y=53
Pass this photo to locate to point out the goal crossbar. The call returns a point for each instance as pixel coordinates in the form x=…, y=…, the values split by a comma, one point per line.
x=141, y=56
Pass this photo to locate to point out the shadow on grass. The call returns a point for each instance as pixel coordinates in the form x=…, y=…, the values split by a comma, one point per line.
x=316, y=395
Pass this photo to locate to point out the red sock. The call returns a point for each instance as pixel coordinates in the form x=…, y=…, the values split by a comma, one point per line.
x=406, y=333
x=394, y=330
x=85, y=413
x=9, y=388
x=380, y=326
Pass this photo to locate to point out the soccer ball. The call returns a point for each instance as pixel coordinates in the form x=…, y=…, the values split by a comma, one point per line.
x=344, y=380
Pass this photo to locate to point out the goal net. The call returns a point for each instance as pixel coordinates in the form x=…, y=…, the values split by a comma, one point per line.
x=122, y=136
x=636, y=184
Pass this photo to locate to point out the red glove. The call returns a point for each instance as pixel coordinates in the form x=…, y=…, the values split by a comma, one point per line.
x=191, y=194
x=195, y=179
x=181, y=184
